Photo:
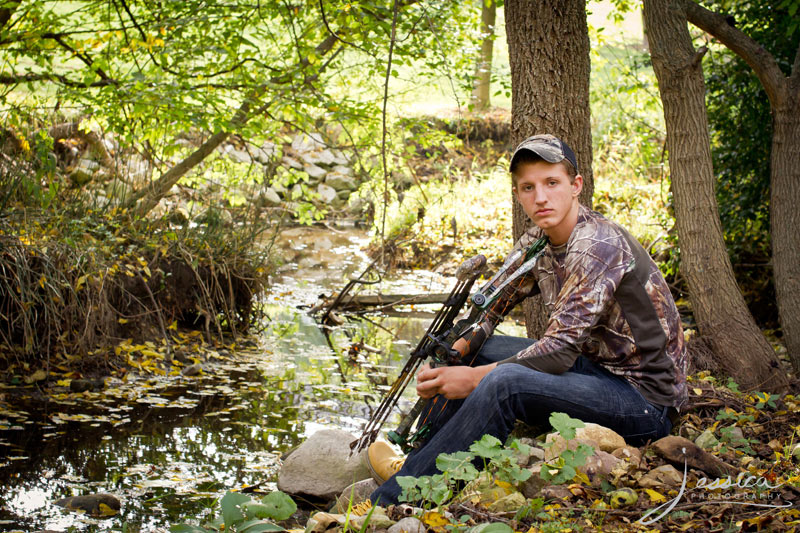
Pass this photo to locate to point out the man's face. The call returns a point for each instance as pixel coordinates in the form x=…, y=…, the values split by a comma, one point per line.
x=548, y=198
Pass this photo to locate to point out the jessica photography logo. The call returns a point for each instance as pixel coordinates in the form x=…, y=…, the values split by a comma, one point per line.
x=755, y=491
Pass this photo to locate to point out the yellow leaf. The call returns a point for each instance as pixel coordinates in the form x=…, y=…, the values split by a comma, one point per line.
x=39, y=375
x=122, y=320
x=433, y=519
x=655, y=496
x=173, y=326
x=80, y=282
x=42, y=280
x=147, y=271
x=698, y=392
x=105, y=510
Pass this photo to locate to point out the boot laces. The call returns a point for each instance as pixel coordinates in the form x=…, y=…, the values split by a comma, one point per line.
x=361, y=508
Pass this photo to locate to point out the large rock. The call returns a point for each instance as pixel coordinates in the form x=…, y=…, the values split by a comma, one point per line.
x=630, y=454
x=322, y=466
x=321, y=157
x=307, y=143
x=269, y=197
x=340, y=158
x=706, y=439
x=84, y=171
x=93, y=504
x=291, y=162
x=555, y=444
x=607, y=439
x=340, y=182
x=532, y=486
x=342, y=169
x=408, y=525
x=599, y=466
x=314, y=171
x=326, y=194
x=239, y=156
x=354, y=494
x=264, y=153
x=594, y=435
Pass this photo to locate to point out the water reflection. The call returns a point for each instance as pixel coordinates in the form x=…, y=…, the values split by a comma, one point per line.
x=168, y=451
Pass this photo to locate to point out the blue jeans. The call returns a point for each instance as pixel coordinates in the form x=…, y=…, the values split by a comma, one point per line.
x=514, y=392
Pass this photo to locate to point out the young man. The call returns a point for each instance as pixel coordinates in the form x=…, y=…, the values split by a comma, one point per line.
x=613, y=352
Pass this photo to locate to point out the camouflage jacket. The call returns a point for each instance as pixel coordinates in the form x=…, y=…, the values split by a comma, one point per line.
x=606, y=300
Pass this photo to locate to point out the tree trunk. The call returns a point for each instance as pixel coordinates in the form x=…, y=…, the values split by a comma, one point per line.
x=784, y=100
x=548, y=48
x=483, y=72
x=785, y=219
x=740, y=349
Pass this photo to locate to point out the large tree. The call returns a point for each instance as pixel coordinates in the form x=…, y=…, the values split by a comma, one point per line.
x=722, y=317
x=783, y=91
x=548, y=48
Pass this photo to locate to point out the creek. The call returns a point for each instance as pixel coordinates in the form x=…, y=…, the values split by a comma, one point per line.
x=169, y=447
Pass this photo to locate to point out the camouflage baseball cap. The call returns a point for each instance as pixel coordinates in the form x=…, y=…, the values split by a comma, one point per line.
x=548, y=147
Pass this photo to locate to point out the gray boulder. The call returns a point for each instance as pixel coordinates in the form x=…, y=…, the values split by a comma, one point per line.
x=291, y=162
x=314, y=171
x=319, y=157
x=240, y=156
x=269, y=197
x=307, y=143
x=264, y=153
x=342, y=169
x=339, y=158
x=326, y=194
x=354, y=494
x=322, y=466
x=340, y=182
x=93, y=504
x=408, y=525
x=83, y=171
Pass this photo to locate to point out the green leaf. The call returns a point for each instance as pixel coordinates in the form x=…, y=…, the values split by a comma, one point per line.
x=187, y=528
x=565, y=424
x=280, y=505
x=457, y=465
x=491, y=527
x=230, y=503
x=257, y=526
x=488, y=447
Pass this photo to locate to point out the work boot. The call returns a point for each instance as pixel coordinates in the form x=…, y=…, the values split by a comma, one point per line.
x=382, y=461
x=362, y=508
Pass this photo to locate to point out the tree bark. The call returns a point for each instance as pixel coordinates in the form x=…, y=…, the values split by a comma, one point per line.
x=719, y=309
x=548, y=48
x=784, y=98
x=483, y=72
x=785, y=219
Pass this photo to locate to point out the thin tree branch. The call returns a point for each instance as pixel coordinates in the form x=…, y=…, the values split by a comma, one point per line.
x=83, y=57
x=755, y=55
x=327, y=27
x=15, y=79
x=383, y=132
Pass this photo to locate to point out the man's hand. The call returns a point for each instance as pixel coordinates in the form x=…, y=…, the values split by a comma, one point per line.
x=453, y=382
